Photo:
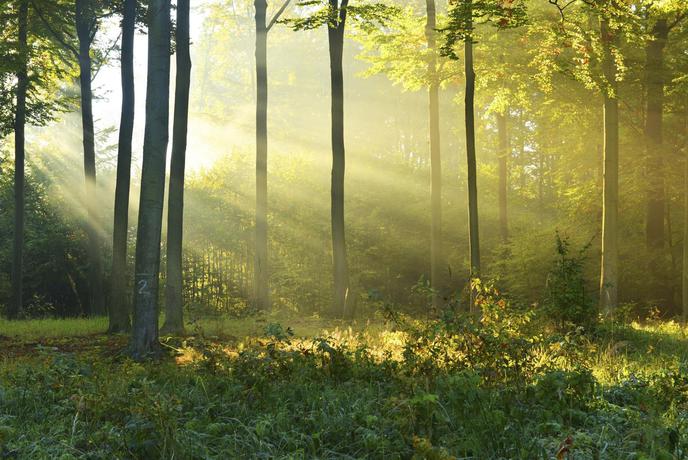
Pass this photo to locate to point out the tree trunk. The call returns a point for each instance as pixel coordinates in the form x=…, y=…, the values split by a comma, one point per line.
x=95, y=271
x=17, y=302
x=473, y=227
x=658, y=289
x=174, y=322
x=341, y=270
x=144, y=338
x=435, y=156
x=262, y=293
x=503, y=175
x=610, y=188
x=654, y=80
x=119, y=307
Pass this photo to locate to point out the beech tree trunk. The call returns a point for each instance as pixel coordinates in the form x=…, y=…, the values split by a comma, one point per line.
x=654, y=80
x=84, y=26
x=435, y=155
x=119, y=306
x=610, y=252
x=262, y=293
x=503, y=175
x=17, y=302
x=144, y=337
x=341, y=270
x=658, y=289
x=473, y=227
x=174, y=317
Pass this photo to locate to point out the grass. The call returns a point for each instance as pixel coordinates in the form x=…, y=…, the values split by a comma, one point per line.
x=359, y=391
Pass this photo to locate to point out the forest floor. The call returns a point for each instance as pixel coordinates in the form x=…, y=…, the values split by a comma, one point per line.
x=280, y=387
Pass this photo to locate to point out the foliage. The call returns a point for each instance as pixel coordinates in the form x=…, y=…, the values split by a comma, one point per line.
x=566, y=301
x=342, y=396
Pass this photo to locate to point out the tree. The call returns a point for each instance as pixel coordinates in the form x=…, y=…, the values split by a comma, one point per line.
x=119, y=306
x=174, y=323
x=462, y=15
x=85, y=21
x=86, y=28
x=19, y=157
x=333, y=13
x=262, y=274
x=503, y=174
x=435, y=154
x=144, y=336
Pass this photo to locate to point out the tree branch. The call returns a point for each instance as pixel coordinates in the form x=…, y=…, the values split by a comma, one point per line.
x=278, y=14
x=54, y=33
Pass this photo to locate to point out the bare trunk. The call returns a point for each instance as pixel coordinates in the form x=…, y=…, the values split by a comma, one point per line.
x=658, y=288
x=503, y=176
x=262, y=293
x=119, y=307
x=144, y=338
x=341, y=269
x=473, y=227
x=435, y=156
x=95, y=271
x=174, y=314
x=17, y=302
x=610, y=252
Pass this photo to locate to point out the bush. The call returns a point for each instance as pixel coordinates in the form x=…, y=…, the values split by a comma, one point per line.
x=566, y=301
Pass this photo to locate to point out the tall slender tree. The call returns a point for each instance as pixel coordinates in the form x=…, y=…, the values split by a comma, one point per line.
x=503, y=173
x=609, y=278
x=260, y=265
x=435, y=154
x=174, y=319
x=144, y=337
x=261, y=252
x=335, y=33
x=472, y=174
x=86, y=27
x=19, y=158
x=119, y=306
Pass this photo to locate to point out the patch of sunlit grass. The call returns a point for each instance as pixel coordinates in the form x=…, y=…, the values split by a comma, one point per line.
x=36, y=329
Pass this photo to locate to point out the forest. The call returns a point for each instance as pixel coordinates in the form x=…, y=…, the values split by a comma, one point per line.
x=342, y=229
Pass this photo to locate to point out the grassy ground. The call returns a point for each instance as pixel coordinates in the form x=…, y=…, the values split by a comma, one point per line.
x=249, y=389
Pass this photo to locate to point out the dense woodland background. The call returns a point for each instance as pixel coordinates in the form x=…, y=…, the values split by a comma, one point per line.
x=539, y=86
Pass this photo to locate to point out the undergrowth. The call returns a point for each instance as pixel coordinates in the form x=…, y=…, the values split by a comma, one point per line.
x=496, y=386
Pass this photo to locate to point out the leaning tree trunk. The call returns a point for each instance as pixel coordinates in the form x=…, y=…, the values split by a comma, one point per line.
x=17, y=302
x=654, y=157
x=610, y=252
x=341, y=269
x=503, y=175
x=262, y=293
x=95, y=270
x=174, y=318
x=473, y=227
x=119, y=307
x=144, y=337
x=435, y=157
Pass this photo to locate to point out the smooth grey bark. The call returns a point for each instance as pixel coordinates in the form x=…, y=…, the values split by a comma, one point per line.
x=85, y=30
x=174, y=309
x=473, y=226
x=119, y=320
x=503, y=175
x=610, y=251
x=17, y=302
x=335, y=33
x=262, y=293
x=144, y=337
x=435, y=154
